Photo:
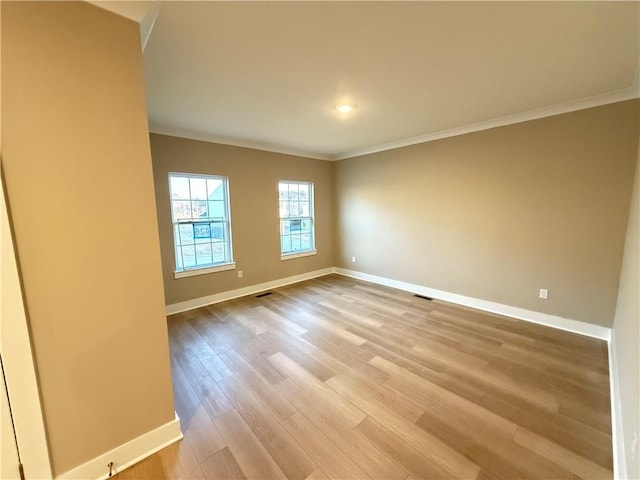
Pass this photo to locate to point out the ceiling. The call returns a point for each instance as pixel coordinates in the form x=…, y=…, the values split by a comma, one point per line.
x=269, y=74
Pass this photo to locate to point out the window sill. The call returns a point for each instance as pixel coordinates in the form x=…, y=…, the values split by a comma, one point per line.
x=205, y=270
x=291, y=256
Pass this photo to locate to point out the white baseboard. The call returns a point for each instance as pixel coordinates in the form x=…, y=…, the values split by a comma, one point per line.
x=575, y=326
x=554, y=321
x=241, y=292
x=149, y=443
x=617, y=435
x=127, y=454
x=566, y=324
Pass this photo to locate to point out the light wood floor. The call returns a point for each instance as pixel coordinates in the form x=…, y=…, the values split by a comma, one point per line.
x=337, y=378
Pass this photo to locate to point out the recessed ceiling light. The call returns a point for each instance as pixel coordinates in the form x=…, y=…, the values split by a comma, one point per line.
x=344, y=108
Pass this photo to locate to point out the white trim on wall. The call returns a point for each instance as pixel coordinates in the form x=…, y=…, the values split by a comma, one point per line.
x=242, y=292
x=581, y=104
x=171, y=131
x=567, y=324
x=617, y=435
x=554, y=321
x=574, y=326
x=127, y=454
x=18, y=359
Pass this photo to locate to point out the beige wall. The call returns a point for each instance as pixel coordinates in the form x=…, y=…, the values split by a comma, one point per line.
x=253, y=183
x=626, y=333
x=78, y=170
x=18, y=367
x=501, y=213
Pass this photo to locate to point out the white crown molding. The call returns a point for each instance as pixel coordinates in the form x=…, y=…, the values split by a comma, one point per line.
x=234, y=142
x=127, y=454
x=584, y=103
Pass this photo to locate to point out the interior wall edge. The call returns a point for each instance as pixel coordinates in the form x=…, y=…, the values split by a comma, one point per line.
x=619, y=459
x=127, y=454
x=74, y=119
x=624, y=356
x=19, y=365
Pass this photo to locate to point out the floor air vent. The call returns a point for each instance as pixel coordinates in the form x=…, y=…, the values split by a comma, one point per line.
x=422, y=297
x=260, y=295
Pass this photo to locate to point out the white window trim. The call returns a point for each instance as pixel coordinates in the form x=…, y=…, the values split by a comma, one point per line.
x=312, y=217
x=291, y=256
x=192, y=272
x=210, y=268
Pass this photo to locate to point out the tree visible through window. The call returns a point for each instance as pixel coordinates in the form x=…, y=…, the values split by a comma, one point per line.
x=200, y=214
x=296, y=217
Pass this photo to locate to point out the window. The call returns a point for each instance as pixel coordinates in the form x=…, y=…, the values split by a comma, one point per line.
x=296, y=219
x=201, y=227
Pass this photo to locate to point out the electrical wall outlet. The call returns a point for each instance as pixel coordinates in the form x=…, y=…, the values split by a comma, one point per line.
x=240, y=274
x=544, y=293
x=353, y=259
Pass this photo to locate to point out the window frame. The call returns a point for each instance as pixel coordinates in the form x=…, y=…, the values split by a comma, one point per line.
x=291, y=254
x=228, y=263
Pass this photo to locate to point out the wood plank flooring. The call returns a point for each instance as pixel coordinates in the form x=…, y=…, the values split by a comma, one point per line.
x=335, y=378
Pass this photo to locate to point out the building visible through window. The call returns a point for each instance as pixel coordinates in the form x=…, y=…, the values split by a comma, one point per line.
x=296, y=217
x=201, y=225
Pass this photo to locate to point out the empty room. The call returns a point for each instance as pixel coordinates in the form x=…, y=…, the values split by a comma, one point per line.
x=320, y=240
